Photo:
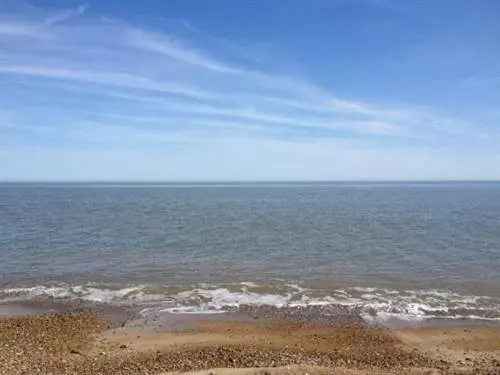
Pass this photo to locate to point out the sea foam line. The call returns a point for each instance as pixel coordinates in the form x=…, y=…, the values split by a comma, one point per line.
x=375, y=304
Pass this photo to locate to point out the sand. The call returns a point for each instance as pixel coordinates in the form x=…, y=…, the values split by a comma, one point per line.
x=85, y=344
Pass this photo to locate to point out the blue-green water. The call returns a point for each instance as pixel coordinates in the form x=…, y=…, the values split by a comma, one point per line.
x=411, y=250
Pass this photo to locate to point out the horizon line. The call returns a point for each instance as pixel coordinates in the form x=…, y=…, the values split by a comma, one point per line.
x=54, y=181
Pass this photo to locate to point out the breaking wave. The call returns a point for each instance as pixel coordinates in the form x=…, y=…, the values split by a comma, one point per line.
x=374, y=304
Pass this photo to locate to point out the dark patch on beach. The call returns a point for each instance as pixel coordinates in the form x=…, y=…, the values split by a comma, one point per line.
x=113, y=314
x=324, y=314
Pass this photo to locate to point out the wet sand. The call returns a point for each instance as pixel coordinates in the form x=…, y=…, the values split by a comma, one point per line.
x=265, y=342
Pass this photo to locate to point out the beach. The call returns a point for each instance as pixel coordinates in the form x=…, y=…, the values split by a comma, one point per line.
x=89, y=342
x=291, y=278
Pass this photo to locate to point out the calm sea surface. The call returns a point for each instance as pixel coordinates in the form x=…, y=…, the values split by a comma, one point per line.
x=411, y=250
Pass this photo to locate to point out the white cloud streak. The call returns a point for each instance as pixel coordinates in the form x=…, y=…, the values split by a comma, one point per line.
x=18, y=29
x=66, y=15
x=175, y=49
x=106, y=78
x=110, y=84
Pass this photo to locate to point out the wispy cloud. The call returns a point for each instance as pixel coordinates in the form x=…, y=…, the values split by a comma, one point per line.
x=124, y=80
x=113, y=84
x=19, y=29
x=66, y=15
x=168, y=46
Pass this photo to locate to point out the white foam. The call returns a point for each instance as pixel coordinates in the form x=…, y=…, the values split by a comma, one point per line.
x=375, y=304
x=223, y=297
x=181, y=310
x=249, y=284
x=297, y=288
x=363, y=289
x=86, y=293
x=36, y=291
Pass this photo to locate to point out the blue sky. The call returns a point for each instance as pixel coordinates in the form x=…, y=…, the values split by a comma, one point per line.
x=249, y=89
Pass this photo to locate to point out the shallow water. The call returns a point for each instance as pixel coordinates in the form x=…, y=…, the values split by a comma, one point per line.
x=411, y=250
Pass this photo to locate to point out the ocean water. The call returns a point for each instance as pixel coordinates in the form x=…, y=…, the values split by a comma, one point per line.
x=410, y=251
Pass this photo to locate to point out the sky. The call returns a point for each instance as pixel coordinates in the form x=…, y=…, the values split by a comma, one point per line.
x=198, y=90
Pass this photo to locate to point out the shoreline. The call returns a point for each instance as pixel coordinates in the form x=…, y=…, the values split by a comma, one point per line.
x=140, y=313
x=377, y=304
x=99, y=340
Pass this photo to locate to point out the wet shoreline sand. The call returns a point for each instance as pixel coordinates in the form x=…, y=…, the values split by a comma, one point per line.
x=257, y=341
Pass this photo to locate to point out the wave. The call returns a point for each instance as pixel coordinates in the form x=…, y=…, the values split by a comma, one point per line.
x=80, y=292
x=373, y=304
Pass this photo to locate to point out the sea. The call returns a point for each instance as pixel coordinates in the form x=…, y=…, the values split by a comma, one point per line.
x=411, y=251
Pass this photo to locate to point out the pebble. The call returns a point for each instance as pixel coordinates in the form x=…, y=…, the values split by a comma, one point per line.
x=29, y=345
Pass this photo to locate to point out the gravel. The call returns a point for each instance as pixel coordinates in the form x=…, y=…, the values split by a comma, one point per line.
x=65, y=344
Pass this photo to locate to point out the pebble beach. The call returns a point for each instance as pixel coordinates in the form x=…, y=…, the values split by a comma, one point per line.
x=265, y=341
